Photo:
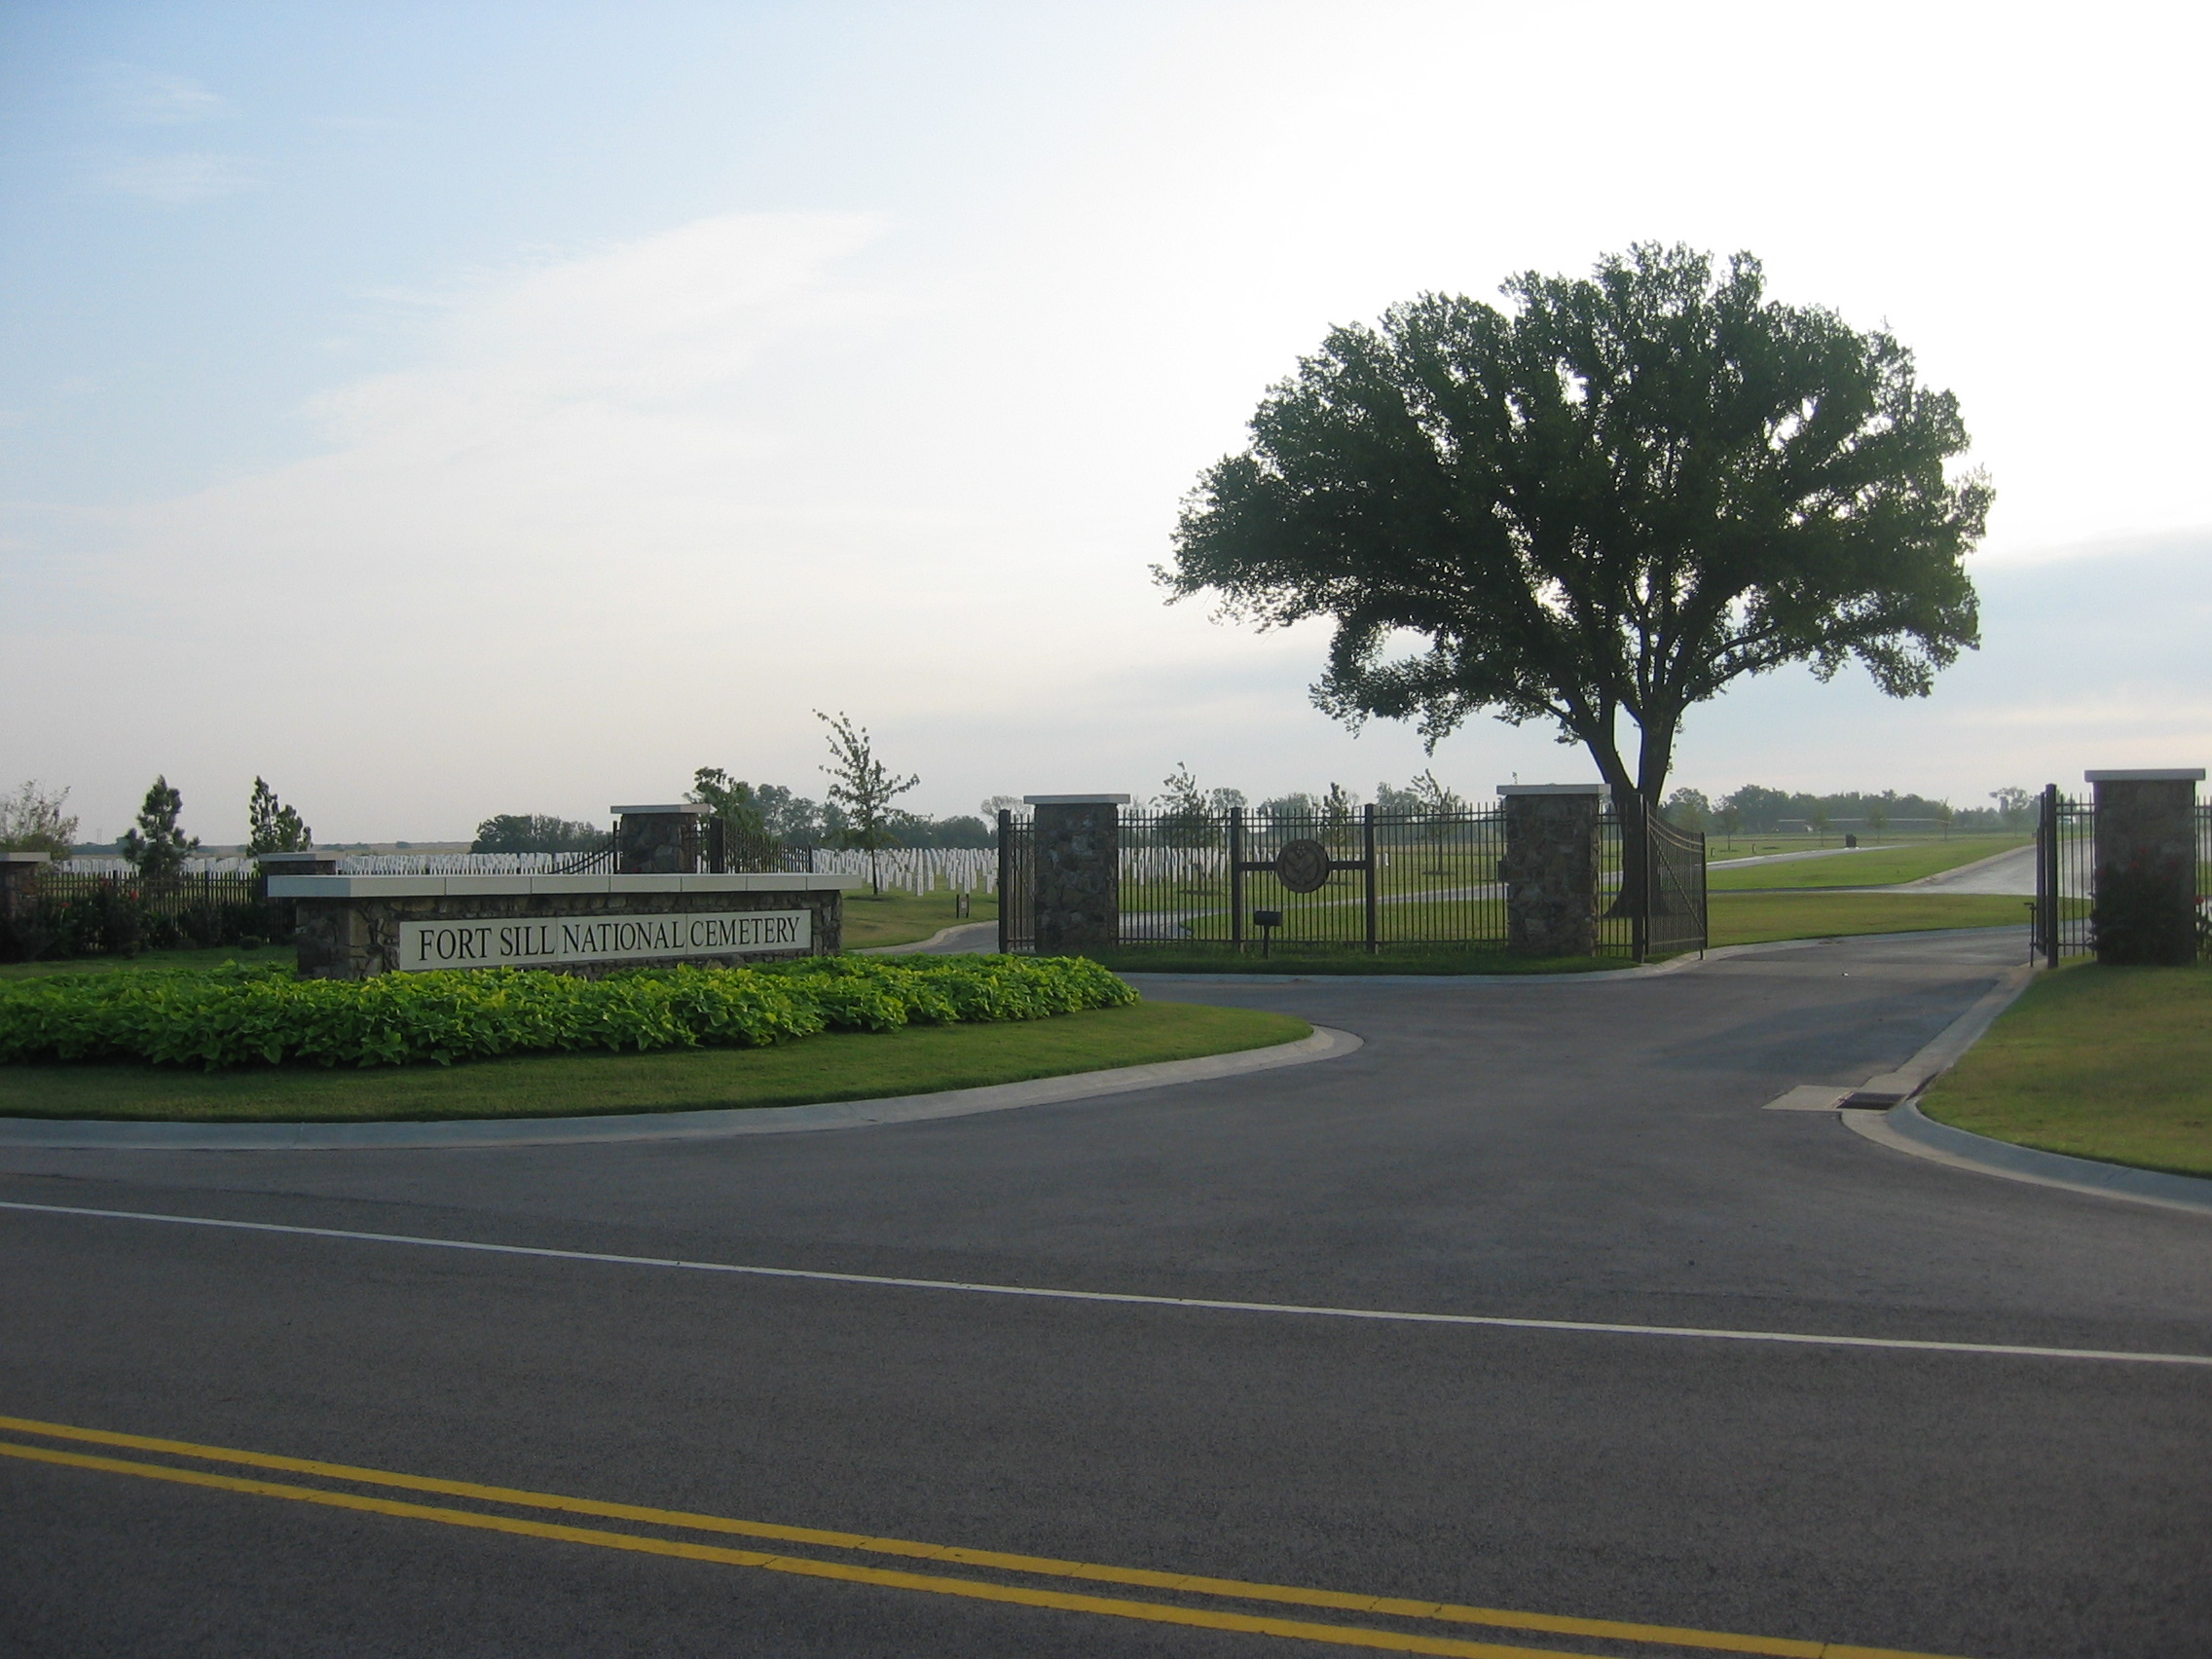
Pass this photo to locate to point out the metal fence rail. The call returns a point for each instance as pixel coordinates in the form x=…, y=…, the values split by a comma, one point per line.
x=81, y=914
x=2066, y=878
x=1671, y=916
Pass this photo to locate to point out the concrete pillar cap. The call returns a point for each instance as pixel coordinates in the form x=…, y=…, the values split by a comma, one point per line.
x=1551, y=789
x=1076, y=800
x=27, y=857
x=2148, y=775
x=694, y=807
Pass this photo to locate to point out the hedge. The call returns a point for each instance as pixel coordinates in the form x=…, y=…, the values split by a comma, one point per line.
x=242, y=1014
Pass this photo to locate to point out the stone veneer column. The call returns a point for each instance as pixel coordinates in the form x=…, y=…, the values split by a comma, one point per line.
x=285, y=912
x=1551, y=868
x=18, y=893
x=2147, y=840
x=659, y=840
x=1078, y=872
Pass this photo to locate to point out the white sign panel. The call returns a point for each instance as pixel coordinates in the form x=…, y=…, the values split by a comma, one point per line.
x=545, y=942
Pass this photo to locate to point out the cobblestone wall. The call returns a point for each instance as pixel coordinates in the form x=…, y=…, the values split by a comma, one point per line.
x=1551, y=871
x=1079, y=879
x=357, y=938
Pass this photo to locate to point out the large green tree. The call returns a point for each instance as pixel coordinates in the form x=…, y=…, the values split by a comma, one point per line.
x=1611, y=498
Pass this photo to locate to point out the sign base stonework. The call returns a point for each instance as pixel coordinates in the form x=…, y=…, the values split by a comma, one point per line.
x=353, y=927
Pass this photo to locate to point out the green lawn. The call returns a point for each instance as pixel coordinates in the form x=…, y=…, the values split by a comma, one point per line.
x=2113, y=1063
x=1876, y=868
x=917, y=1059
x=902, y=918
x=1756, y=918
x=1343, y=959
x=211, y=958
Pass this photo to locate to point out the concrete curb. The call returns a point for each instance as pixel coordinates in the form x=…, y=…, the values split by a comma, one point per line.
x=1905, y=1128
x=102, y=1134
x=1891, y=1087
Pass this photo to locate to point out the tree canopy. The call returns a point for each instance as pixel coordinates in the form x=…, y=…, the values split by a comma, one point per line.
x=1612, y=499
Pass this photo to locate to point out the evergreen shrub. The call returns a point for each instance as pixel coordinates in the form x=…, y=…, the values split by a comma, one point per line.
x=242, y=1014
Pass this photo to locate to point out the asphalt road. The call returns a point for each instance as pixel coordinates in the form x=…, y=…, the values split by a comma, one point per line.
x=1588, y=1152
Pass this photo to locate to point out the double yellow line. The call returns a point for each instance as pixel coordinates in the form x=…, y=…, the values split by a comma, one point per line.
x=809, y=1566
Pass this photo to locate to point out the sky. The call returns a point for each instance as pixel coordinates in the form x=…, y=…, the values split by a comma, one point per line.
x=442, y=410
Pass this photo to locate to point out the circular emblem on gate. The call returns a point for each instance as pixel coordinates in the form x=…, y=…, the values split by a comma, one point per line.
x=1303, y=866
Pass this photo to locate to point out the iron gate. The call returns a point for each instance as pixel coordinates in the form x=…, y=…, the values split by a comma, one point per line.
x=1361, y=880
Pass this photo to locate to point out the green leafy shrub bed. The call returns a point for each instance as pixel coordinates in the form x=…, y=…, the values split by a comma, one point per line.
x=246, y=1016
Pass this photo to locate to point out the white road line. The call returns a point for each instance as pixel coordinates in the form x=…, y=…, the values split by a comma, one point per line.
x=1389, y=1315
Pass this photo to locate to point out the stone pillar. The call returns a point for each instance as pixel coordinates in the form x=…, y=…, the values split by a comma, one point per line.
x=1078, y=872
x=284, y=913
x=2146, y=910
x=1551, y=868
x=659, y=840
x=18, y=903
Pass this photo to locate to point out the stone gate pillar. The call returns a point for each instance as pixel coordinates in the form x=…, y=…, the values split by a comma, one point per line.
x=2147, y=858
x=1078, y=872
x=1549, y=870
x=19, y=898
x=284, y=913
x=659, y=840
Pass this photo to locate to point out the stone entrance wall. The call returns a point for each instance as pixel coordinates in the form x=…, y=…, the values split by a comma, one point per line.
x=1551, y=868
x=2146, y=875
x=350, y=926
x=1078, y=872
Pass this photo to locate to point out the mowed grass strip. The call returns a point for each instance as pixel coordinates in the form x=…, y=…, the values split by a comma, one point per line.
x=1876, y=866
x=213, y=957
x=902, y=918
x=1757, y=918
x=2111, y=1063
x=837, y=1065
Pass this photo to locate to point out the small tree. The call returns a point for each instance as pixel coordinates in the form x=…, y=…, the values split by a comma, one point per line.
x=1877, y=817
x=1439, y=805
x=271, y=826
x=1340, y=811
x=31, y=821
x=1943, y=816
x=155, y=846
x=862, y=787
x=1729, y=819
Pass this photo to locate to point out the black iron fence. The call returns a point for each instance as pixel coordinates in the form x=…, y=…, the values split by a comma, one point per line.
x=73, y=913
x=1357, y=880
x=2068, y=903
x=1665, y=908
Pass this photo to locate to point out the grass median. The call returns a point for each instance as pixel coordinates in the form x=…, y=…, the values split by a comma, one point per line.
x=2111, y=1063
x=903, y=918
x=1760, y=918
x=838, y=1065
x=1871, y=866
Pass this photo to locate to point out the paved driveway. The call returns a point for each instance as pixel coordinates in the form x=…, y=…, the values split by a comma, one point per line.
x=1549, y=1151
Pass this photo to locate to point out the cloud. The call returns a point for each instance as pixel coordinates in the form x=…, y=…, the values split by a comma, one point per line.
x=150, y=98
x=179, y=181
